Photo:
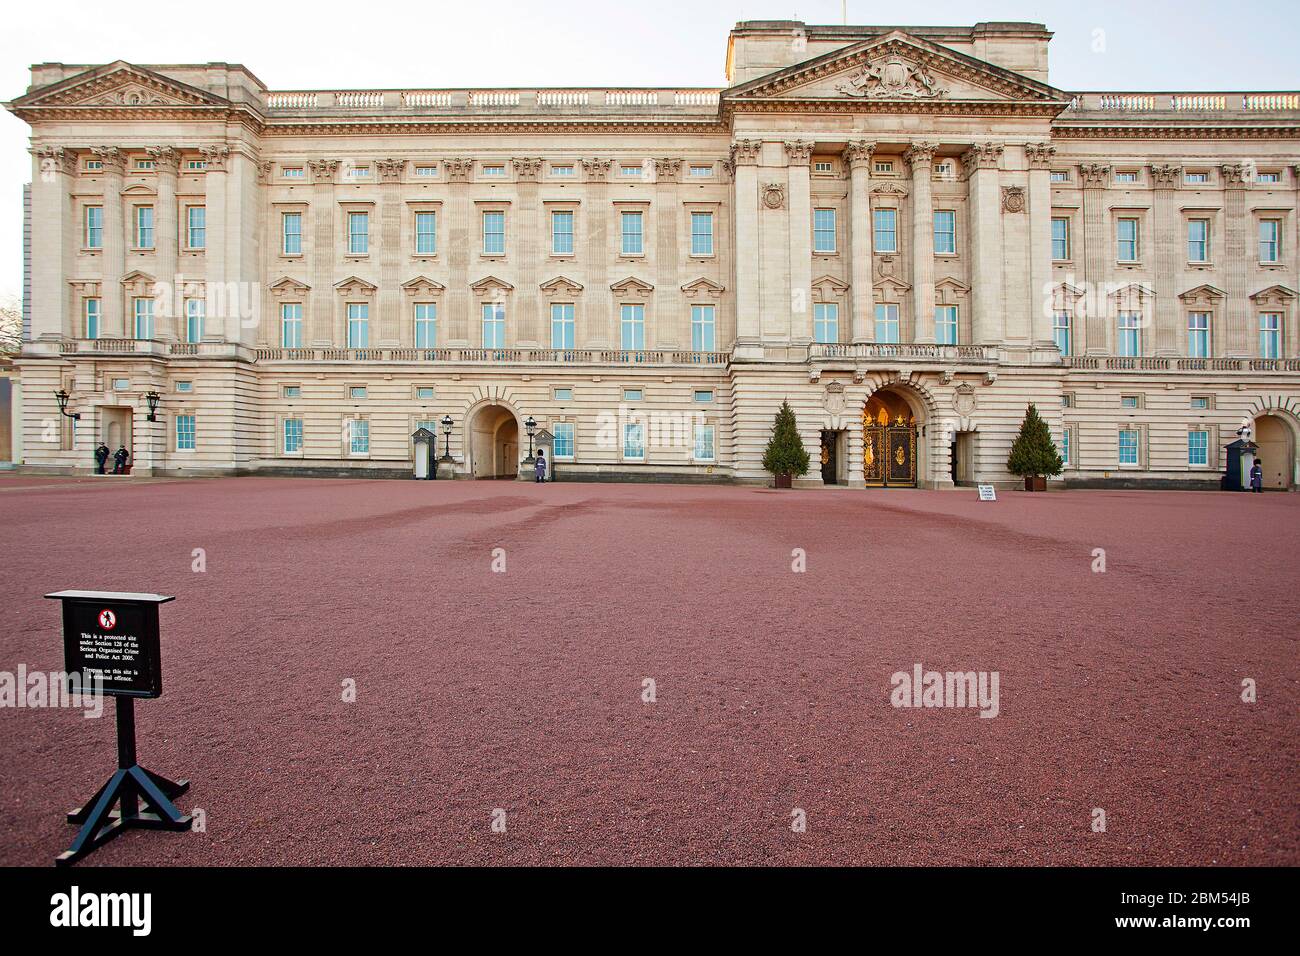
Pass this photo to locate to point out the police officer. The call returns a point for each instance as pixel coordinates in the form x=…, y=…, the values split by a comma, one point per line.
x=101, y=458
x=120, y=458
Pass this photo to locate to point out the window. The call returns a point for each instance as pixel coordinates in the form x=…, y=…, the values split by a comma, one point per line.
x=425, y=391
x=426, y=233
x=703, y=395
x=357, y=391
x=144, y=227
x=426, y=325
x=632, y=327
x=185, y=386
x=824, y=230
x=562, y=232
x=1126, y=176
x=94, y=227
x=1129, y=401
x=92, y=318
x=883, y=166
x=885, y=229
x=1269, y=177
x=633, y=440
x=563, y=446
x=1067, y=400
x=426, y=172
x=1128, y=446
x=562, y=331
x=196, y=227
x=629, y=171
x=144, y=318
x=700, y=171
x=1198, y=447
x=945, y=232
x=121, y=384
x=826, y=322
x=291, y=325
x=94, y=165
x=292, y=436
x=196, y=165
x=1198, y=334
x=494, y=325
x=1065, y=445
x=633, y=394
x=1130, y=334
x=943, y=170
x=494, y=170
x=1059, y=176
x=1126, y=239
x=494, y=233
x=1196, y=178
x=1270, y=240
x=194, y=315
x=1061, y=332
x=886, y=323
x=633, y=244
x=358, y=172
x=359, y=436
x=293, y=172
x=1060, y=238
x=291, y=230
x=561, y=170
x=144, y=165
x=701, y=233
x=184, y=432
x=945, y=324
x=1198, y=240
x=358, y=325
x=293, y=391
x=704, y=443
x=702, y=328
x=358, y=233
x=823, y=166
x=562, y=394
x=1270, y=335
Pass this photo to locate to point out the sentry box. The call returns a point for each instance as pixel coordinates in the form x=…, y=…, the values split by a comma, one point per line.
x=114, y=635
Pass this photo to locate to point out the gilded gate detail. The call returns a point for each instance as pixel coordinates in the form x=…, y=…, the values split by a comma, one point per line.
x=888, y=443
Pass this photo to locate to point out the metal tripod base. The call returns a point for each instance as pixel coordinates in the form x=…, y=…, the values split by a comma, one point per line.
x=128, y=786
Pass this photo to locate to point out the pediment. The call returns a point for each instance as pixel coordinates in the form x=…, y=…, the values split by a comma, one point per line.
x=137, y=278
x=289, y=285
x=892, y=285
x=632, y=285
x=896, y=67
x=1273, y=295
x=121, y=85
x=947, y=289
x=491, y=284
x=1133, y=292
x=1204, y=291
x=828, y=286
x=423, y=285
x=561, y=285
x=703, y=287
x=354, y=285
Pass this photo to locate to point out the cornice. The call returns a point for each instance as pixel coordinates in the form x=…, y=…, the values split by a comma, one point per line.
x=495, y=125
x=1107, y=131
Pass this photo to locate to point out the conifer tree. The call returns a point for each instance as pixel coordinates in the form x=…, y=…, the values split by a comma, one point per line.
x=785, y=454
x=1033, y=452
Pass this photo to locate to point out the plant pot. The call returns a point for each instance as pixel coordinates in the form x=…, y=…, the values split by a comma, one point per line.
x=783, y=481
x=1035, y=483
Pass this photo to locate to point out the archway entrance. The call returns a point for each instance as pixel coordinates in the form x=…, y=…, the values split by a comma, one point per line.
x=494, y=443
x=1276, y=451
x=889, y=441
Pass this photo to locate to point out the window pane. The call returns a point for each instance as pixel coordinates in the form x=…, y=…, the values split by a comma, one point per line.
x=1060, y=238
x=291, y=325
x=358, y=233
x=358, y=325
x=702, y=328
x=292, y=435
x=824, y=230
x=292, y=222
x=562, y=233
x=562, y=326
x=633, y=244
x=945, y=231
x=1061, y=332
x=701, y=233
x=426, y=233
x=563, y=432
x=198, y=227
x=885, y=230
x=494, y=233
x=426, y=317
x=632, y=323
x=887, y=323
x=184, y=432
x=494, y=325
x=826, y=322
x=945, y=324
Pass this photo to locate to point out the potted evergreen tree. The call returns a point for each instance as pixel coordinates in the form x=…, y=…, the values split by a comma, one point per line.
x=1033, y=453
x=784, y=456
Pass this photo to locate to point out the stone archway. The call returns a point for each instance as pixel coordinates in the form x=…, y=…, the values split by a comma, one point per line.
x=893, y=454
x=492, y=441
x=1276, y=440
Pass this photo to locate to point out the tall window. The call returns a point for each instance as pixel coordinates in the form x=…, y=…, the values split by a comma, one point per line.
x=945, y=324
x=291, y=325
x=144, y=318
x=885, y=230
x=358, y=325
x=1065, y=445
x=1130, y=333
x=358, y=233
x=1198, y=334
x=632, y=327
x=92, y=318
x=633, y=236
x=563, y=432
x=1270, y=240
x=1126, y=240
x=494, y=233
x=196, y=227
x=704, y=443
x=1060, y=237
x=886, y=323
x=291, y=229
x=1128, y=446
x=1061, y=332
x=426, y=233
x=94, y=227
x=292, y=436
x=823, y=230
x=633, y=440
x=562, y=325
x=1198, y=447
x=701, y=233
x=494, y=325
x=562, y=232
x=1270, y=335
x=702, y=328
x=826, y=321
x=945, y=231
x=144, y=227
x=184, y=432
x=426, y=325
x=359, y=436
x=1198, y=240
x=194, y=310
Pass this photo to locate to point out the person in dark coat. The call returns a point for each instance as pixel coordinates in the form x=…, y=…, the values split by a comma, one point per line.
x=1257, y=476
x=539, y=466
x=101, y=458
x=120, y=458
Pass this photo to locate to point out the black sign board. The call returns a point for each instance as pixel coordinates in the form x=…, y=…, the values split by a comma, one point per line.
x=115, y=635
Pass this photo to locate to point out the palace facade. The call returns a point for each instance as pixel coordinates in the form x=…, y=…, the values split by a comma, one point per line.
x=907, y=233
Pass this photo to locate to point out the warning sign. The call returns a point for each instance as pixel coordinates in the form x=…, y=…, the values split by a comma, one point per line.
x=113, y=635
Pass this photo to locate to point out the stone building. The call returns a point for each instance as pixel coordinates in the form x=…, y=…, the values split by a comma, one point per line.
x=907, y=233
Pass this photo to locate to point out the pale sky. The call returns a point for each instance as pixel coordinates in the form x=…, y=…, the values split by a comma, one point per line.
x=1191, y=45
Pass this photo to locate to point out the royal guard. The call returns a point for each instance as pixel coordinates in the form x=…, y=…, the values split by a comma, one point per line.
x=539, y=466
x=1257, y=476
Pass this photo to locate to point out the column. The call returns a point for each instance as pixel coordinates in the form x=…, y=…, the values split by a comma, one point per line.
x=216, y=185
x=857, y=155
x=112, y=299
x=596, y=326
x=462, y=242
x=527, y=239
x=319, y=332
x=393, y=312
x=169, y=306
x=1237, y=253
x=54, y=244
x=1039, y=157
x=744, y=158
x=1167, y=241
x=672, y=319
x=921, y=158
x=798, y=156
x=1097, y=239
x=980, y=164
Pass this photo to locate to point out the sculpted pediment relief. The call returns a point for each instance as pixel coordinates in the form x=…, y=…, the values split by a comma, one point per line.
x=561, y=285
x=289, y=286
x=119, y=84
x=354, y=285
x=632, y=286
x=703, y=287
x=423, y=285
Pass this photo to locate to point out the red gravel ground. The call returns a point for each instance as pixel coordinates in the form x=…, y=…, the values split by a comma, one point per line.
x=522, y=691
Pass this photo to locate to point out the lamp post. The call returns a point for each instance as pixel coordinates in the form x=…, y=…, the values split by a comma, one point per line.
x=62, y=397
x=530, y=426
x=446, y=430
x=152, y=398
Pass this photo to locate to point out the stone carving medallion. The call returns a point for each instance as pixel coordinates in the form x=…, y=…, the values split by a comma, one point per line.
x=963, y=399
x=833, y=398
x=892, y=77
x=774, y=195
x=1013, y=199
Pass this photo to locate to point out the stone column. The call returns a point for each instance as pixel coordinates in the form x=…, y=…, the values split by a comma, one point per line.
x=980, y=164
x=394, y=316
x=798, y=156
x=920, y=156
x=320, y=324
x=857, y=155
x=112, y=299
x=54, y=245
x=1097, y=251
x=461, y=245
x=1166, y=240
x=597, y=325
x=529, y=241
x=744, y=158
x=1039, y=157
x=217, y=257
x=1237, y=253
x=169, y=308
x=671, y=328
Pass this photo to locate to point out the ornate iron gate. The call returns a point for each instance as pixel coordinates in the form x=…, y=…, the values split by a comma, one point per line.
x=889, y=454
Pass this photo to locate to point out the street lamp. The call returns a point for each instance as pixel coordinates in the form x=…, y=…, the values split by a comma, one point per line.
x=530, y=426
x=446, y=430
x=62, y=396
x=152, y=398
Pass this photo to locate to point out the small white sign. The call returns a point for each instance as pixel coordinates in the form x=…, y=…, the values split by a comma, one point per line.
x=987, y=493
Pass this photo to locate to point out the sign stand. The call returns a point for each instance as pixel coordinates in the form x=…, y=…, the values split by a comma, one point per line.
x=114, y=637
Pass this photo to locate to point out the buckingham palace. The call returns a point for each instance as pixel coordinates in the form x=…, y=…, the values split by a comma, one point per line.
x=907, y=233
